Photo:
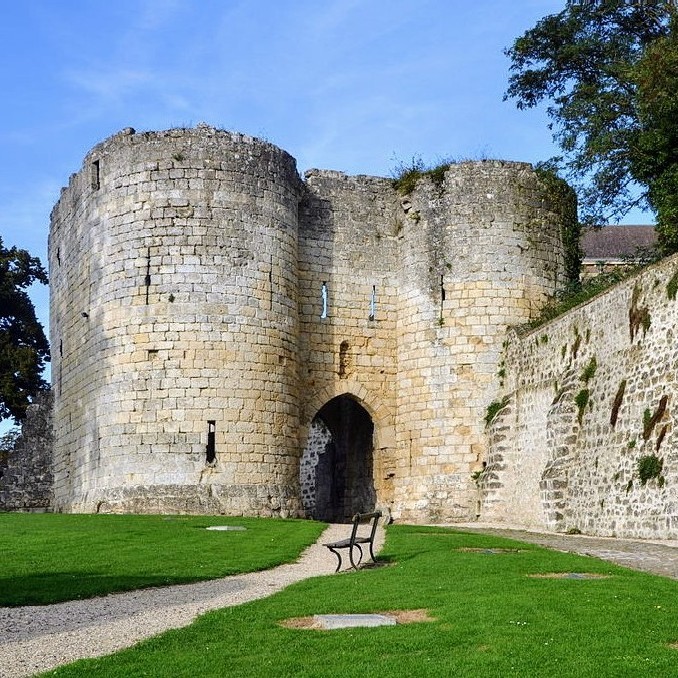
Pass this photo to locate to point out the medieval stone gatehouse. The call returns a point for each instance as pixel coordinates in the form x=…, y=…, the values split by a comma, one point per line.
x=228, y=337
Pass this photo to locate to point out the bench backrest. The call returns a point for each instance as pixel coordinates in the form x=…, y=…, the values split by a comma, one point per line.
x=362, y=519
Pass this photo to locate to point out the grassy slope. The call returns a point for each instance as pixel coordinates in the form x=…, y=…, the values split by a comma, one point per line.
x=49, y=558
x=492, y=620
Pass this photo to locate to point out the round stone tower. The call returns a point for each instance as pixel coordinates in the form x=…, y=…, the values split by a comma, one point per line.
x=174, y=326
x=482, y=249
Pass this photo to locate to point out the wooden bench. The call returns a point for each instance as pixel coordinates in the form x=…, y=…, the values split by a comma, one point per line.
x=356, y=539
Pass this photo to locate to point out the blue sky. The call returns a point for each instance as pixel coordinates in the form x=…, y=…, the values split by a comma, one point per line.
x=352, y=85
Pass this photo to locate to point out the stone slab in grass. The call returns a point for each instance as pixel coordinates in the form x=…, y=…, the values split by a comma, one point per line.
x=488, y=551
x=569, y=575
x=226, y=528
x=317, y=622
x=346, y=621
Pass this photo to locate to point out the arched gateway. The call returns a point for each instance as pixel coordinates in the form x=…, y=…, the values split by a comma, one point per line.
x=337, y=469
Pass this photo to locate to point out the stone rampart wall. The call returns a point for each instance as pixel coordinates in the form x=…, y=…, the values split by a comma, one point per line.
x=588, y=396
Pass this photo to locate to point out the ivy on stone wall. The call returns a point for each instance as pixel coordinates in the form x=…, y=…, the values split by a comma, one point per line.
x=407, y=175
x=649, y=467
x=639, y=316
x=589, y=371
x=494, y=408
x=672, y=286
x=581, y=400
x=650, y=420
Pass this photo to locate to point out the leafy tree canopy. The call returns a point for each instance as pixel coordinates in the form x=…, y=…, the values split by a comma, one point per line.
x=23, y=347
x=655, y=153
x=584, y=62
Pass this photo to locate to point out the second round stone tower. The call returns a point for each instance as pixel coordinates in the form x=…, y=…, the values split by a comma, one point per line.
x=173, y=259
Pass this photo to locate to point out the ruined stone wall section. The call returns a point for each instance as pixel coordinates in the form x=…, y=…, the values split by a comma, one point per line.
x=26, y=474
x=481, y=250
x=173, y=259
x=601, y=382
x=318, y=438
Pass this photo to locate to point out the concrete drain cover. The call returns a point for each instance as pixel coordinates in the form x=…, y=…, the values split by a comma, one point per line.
x=346, y=621
x=227, y=528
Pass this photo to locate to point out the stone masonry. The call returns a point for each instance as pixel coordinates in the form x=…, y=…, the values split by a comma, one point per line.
x=587, y=438
x=207, y=304
x=26, y=470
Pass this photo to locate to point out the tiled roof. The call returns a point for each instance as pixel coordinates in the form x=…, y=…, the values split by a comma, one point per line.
x=616, y=242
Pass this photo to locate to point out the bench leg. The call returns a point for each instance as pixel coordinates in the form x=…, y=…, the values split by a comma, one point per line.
x=350, y=555
x=372, y=553
x=338, y=555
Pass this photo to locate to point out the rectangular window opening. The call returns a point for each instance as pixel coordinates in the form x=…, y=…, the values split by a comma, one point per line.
x=147, y=279
x=373, y=303
x=442, y=300
x=210, y=451
x=94, y=175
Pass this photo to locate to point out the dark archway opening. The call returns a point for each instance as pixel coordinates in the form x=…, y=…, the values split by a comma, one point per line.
x=344, y=483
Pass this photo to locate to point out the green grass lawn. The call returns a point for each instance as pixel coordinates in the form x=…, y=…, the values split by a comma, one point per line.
x=48, y=558
x=491, y=619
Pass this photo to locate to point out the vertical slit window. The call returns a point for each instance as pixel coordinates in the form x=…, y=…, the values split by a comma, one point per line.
x=210, y=451
x=324, y=299
x=94, y=175
x=373, y=303
x=270, y=284
x=442, y=299
x=147, y=279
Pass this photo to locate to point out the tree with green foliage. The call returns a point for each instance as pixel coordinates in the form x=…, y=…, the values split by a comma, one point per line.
x=24, y=349
x=589, y=63
x=655, y=152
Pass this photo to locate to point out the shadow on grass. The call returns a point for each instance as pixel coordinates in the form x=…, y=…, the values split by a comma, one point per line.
x=382, y=561
x=59, y=587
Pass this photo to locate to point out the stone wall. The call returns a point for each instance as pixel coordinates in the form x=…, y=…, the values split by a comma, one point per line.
x=316, y=445
x=26, y=472
x=207, y=305
x=586, y=398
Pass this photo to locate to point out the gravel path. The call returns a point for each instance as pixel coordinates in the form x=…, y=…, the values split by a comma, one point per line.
x=39, y=638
